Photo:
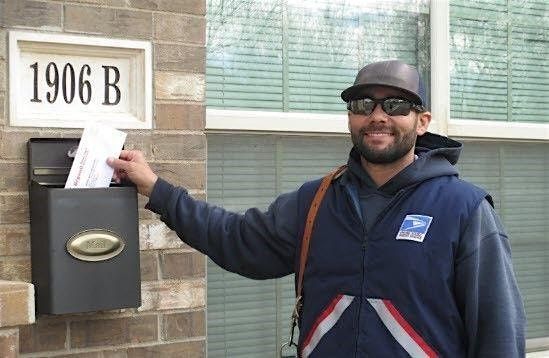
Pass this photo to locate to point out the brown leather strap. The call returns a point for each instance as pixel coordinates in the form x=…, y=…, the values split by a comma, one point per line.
x=311, y=216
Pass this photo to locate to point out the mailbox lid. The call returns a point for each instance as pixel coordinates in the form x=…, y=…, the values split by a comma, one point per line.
x=50, y=159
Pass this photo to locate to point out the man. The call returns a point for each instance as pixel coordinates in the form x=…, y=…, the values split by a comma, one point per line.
x=405, y=258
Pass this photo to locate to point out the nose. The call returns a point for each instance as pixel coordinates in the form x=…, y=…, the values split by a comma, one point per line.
x=378, y=113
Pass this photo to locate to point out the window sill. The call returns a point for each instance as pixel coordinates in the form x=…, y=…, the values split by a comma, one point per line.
x=498, y=130
x=263, y=121
x=537, y=347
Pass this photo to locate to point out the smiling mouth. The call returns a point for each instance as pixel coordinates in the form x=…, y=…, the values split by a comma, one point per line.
x=377, y=134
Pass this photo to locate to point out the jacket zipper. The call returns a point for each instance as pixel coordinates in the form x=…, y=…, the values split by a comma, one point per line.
x=358, y=210
x=364, y=245
x=362, y=293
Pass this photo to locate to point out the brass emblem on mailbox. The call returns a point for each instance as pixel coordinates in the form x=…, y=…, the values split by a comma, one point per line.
x=95, y=245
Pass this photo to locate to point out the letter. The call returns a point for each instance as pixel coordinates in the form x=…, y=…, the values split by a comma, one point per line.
x=108, y=84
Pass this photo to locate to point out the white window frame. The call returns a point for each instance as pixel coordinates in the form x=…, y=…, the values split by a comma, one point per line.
x=440, y=92
x=316, y=123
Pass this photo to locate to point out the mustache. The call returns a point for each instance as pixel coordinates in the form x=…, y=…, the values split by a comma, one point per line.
x=376, y=127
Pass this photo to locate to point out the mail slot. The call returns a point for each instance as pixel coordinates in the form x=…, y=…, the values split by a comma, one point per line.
x=84, y=242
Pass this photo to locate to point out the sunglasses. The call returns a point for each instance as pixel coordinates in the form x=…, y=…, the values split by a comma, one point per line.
x=393, y=106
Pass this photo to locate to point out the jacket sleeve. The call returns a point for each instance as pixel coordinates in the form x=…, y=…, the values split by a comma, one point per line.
x=255, y=244
x=486, y=290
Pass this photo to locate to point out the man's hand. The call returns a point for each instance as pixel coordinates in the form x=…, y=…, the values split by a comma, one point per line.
x=133, y=166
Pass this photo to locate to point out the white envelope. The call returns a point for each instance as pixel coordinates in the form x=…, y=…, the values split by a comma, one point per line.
x=90, y=168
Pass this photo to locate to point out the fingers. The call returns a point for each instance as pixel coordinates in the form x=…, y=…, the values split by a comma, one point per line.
x=135, y=156
x=118, y=164
x=119, y=175
x=132, y=155
x=126, y=154
x=133, y=166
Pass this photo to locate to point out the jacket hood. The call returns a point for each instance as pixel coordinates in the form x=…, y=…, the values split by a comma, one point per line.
x=436, y=156
x=437, y=145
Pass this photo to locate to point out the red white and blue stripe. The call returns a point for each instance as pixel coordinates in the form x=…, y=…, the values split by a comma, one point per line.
x=327, y=319
x=401, y=330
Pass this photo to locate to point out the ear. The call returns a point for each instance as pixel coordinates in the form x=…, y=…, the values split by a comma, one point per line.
x=423, y=120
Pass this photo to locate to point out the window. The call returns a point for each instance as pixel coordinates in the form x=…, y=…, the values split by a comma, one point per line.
x=298, y=56
x=498, y=75
x=498, y=53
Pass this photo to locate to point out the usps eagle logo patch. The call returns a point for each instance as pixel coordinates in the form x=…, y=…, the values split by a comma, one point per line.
x=414, y=228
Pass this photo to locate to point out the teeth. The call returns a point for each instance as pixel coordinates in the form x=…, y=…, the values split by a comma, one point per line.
x=378, y=134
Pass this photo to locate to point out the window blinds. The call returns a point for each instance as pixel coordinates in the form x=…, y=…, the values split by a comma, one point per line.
x=298, y=56
x=327, y=45
x=244, y=54
x=242, y=315
x=248, y=318
x=499, y=51
x=529, y=47
x=517, y=177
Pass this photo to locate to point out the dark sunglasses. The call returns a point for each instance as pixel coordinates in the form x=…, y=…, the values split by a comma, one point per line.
x=391, y=105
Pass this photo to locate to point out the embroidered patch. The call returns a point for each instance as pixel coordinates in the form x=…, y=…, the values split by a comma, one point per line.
x=414, y=227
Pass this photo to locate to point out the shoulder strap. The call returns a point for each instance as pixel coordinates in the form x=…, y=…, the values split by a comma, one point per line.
x=311, y=216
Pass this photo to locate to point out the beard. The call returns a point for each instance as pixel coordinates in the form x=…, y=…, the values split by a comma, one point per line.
x=404, y=141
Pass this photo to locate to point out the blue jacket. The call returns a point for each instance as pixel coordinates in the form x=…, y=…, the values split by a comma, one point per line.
x=420, y=266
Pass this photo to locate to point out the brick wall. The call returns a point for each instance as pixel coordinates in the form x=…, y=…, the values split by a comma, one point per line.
x=171, y=320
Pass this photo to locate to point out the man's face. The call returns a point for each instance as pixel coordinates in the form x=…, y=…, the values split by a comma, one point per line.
x=381, y=138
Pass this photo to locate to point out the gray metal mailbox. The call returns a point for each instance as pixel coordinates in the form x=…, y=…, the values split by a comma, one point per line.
x=84, y=242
